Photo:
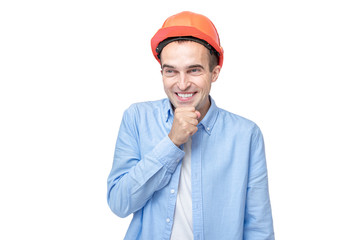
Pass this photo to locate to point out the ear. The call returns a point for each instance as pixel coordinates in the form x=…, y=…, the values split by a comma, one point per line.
x=215, y=73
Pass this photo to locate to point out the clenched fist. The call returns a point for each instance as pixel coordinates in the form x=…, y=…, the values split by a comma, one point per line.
x=184, y=124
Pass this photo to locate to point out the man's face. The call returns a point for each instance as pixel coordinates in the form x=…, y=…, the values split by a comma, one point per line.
x=186, y=75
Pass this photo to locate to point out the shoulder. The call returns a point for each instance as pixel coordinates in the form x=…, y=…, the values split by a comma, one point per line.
x=146, y=111
x=236, y=121
x=148, y=106
x=239, y=128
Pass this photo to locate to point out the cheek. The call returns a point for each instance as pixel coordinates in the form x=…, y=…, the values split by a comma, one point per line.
x=167, y=84
x=204, y=84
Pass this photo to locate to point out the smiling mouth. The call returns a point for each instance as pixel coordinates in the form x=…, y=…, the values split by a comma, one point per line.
x=185, y=96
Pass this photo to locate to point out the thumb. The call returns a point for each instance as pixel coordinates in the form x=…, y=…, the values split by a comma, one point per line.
x=198, y=114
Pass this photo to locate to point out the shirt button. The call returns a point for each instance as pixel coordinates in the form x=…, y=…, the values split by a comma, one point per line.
x=208, y=129
x=168, y=220
x=172, y=191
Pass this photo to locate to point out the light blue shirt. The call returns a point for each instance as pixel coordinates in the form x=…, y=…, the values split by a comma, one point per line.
x=230, y=198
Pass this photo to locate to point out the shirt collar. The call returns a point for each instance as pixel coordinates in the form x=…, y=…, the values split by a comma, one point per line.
x=168, y=111
x=207, y=122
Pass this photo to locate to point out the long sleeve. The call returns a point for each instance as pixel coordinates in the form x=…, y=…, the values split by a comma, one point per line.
x=258, y=224
x=230, y=195
x=132, y=180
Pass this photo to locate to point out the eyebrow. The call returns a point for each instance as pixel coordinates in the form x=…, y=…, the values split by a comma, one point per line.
x=196, y=66
x=191, y=66
x=168, y=66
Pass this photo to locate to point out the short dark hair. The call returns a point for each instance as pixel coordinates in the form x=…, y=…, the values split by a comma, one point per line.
x=213, y=54
x=213, y=61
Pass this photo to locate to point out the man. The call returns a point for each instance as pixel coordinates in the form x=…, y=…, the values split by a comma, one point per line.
x=185, y=168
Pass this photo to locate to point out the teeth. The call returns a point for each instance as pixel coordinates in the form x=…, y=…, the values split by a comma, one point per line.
x=185, y=95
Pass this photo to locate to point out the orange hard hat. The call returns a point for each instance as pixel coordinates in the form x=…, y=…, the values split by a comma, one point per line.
x=189, y=26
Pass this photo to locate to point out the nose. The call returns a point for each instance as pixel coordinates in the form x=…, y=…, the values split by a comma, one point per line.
x=183, y=82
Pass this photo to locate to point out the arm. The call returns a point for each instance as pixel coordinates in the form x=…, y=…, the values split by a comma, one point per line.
x=258, y=222
x=133, y=181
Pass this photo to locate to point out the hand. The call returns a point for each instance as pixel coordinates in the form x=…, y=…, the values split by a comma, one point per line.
x=184, y=124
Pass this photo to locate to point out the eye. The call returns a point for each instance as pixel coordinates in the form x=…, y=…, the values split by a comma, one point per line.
x=195, y=71
x=168, y=72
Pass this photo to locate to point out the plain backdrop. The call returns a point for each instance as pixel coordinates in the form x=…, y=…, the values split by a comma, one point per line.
x=69, y=69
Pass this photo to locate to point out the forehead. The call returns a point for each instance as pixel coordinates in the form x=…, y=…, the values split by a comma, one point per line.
x=184, y=53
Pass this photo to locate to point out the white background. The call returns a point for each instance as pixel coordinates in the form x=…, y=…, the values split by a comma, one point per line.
x=69, y=69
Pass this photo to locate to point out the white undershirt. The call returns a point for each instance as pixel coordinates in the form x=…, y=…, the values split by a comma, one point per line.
x=183, y=227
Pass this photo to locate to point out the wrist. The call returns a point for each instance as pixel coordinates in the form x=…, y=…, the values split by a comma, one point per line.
x=173, y=140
